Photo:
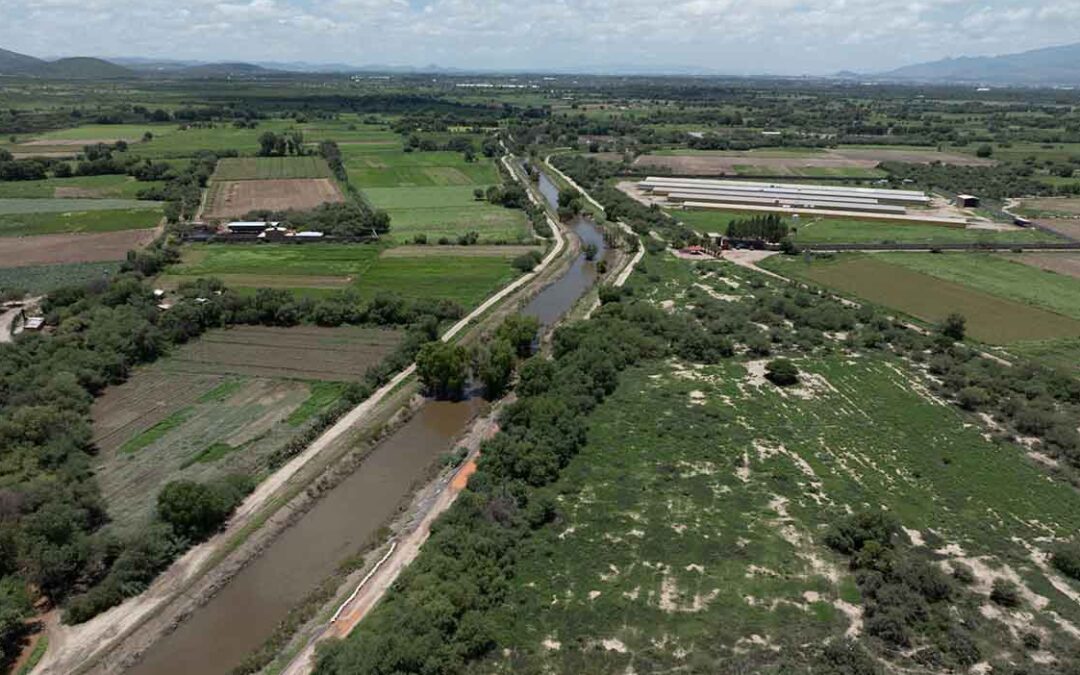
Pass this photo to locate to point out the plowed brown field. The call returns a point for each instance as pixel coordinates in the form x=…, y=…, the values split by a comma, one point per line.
x=49, y=249
x=231, y=199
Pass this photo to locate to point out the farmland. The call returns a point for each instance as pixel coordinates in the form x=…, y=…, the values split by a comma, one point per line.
x=315, y=268
x=103, y=187
x=38, y=279
x=301, y=352
x=51, y=249
x=265, y=168
x=990, y=318
x=232, y=199
x=998, y=275
x=221, y=405
x=30, y=224
x=796, y=162
x=818, y=230
x=431, y=194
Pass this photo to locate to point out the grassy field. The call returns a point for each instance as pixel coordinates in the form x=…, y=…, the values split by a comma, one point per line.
x=40, y=279
x=998, y=276
x=315, y=269
x=264, y=168
x=990, y=318
x=222, y=404
x=431, y=194
x=831, y=231
x=689, y=535
x=87, y=221
x=111, y=186
x=24, y=206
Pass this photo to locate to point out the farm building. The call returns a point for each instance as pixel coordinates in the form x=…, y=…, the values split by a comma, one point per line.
x=967, y=201
x=250, y=226
x=34, y=323
x=795, y=198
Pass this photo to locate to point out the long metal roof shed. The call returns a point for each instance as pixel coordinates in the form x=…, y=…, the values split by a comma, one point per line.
x=832, y=213
x=801, y=203
x=892, y=196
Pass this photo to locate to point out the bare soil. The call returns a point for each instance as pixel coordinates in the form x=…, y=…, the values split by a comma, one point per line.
x=231, y=199
x=858, y=158
x=1062, y=263
x=49, y=249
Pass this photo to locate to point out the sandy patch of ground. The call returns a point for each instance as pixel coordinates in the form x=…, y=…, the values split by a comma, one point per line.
x=51, y=249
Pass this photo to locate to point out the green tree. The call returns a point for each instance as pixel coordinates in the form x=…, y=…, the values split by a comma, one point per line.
x=495, y=366
x=955, y=327
x=782, y=372
x=443, y=369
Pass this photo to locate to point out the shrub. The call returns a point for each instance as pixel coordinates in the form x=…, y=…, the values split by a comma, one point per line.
x=1005, y=593
x=954, y=327
x=972, y=398
x=782, y=372
x=1066, y=558
x=527, y=262
x=962, y=573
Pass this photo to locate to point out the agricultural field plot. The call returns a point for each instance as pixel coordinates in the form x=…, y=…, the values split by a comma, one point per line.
x=990, y=318
x=233, y=199
x=301, y=352
x=23, y=206
x=80, y=187
x=1002, y=276
x=263, y=168
x=1063, y=263
x=318, y=269
x=1066, y=227
x=690, y=526
x=415, y=169
x=221, y=404
x=494, y=224
x=1050, y=207
x=52, y=249
x=840, y=162
x=40, y=279
x=818, y=230
x=32, y=224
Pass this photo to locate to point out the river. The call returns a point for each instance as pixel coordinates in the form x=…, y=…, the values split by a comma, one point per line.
x=219, y=635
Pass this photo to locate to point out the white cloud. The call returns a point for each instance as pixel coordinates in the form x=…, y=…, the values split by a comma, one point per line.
x=742, y=36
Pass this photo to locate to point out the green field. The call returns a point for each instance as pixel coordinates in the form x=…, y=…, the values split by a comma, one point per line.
x=317, y=269
x=431, y=193
x=264, y=168
x=40, y=279
x=28, y=206
x=691, y=522
x=27, y=224
x=998, y=276
x=832, y=231
x=990, y=318
x=110, y=186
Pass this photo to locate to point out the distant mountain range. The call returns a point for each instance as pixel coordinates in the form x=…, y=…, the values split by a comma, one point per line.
x=1038, y=67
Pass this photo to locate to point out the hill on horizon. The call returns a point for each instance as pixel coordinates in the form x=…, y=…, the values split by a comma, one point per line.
x=77, y=67
x=1046, y=66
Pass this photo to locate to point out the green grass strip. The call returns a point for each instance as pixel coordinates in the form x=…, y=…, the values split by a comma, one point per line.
x=157, y=431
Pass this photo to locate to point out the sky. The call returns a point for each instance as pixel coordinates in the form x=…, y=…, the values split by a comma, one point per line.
x=739, y=37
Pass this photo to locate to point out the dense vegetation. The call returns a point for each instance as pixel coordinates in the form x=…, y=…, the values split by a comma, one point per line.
x=52, y=525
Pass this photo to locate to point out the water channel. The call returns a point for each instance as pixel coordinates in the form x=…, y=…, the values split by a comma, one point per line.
x=219, y=635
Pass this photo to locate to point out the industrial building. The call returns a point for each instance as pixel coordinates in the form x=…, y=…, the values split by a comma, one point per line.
x=794, y=198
